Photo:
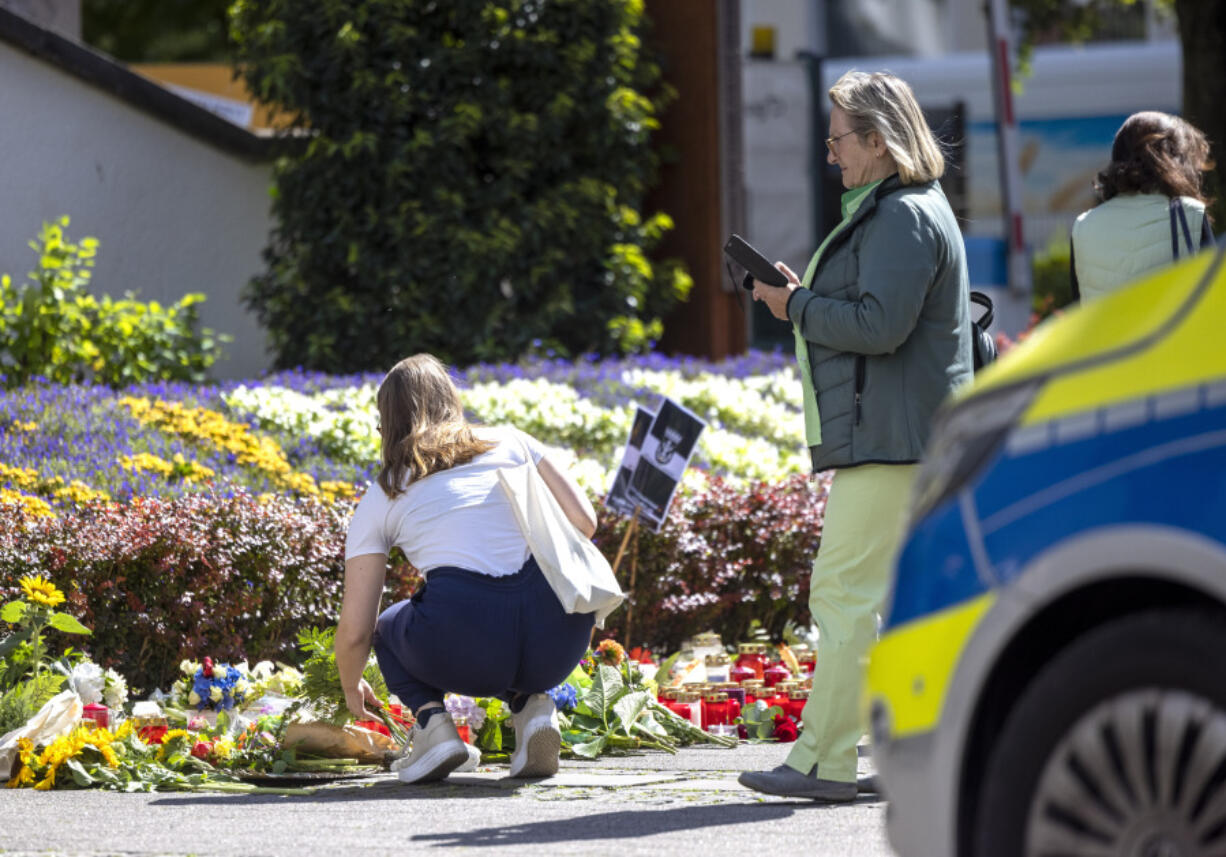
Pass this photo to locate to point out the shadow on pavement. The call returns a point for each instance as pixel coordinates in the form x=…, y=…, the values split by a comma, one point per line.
x=624, y=824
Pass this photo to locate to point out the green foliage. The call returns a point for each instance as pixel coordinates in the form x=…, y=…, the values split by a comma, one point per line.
x=53, y=327
x=473, y=183
x=1075, y=21
x=23, y=700
x=321, y=679
x=1053, y=285
x=156, y=30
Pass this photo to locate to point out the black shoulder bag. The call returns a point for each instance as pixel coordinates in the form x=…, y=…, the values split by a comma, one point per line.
x=983, y=346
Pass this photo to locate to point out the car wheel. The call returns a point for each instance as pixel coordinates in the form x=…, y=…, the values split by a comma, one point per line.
x=1116, y=749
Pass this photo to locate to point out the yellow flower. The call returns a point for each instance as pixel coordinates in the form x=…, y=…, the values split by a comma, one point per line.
x=24, y=777
x=41, y=591
x=35, y=506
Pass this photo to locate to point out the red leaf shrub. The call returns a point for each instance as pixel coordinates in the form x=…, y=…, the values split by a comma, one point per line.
x=723, y=558
x=159, y=581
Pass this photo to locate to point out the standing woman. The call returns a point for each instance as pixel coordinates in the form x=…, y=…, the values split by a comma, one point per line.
x=882, y=325
x=486, y=622
x=1152, y=206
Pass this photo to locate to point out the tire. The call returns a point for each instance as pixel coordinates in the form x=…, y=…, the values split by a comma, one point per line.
x=1118, y=747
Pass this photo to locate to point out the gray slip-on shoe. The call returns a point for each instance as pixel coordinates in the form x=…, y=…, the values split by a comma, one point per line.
x=788, y=782
x=537, y=739
x=436, y=751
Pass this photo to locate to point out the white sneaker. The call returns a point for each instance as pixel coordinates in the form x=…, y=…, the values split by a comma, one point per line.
x=538, y=740
x=436, y=751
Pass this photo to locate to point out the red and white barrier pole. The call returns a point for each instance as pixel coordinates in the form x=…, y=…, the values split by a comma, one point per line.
x=1000, y=46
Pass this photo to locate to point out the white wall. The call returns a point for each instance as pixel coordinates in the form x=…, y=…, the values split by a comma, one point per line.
x=63, y=16
x=794, y=22
x=173, y=213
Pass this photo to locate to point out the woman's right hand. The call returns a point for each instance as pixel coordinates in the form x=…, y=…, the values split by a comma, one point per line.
x=357, y=698
x=776, y=297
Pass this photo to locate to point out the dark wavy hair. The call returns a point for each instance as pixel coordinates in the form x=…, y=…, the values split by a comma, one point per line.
x=423, y=424
x=1156, y=153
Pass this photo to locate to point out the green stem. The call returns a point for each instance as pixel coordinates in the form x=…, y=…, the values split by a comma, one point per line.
x=244, y=788
x=36, y=649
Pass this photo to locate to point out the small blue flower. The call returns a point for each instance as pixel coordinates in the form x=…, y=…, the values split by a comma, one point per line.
x=564, y=696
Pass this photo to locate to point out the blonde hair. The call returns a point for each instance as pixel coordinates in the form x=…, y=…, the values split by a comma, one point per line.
x=884, y=103
x=423, y=424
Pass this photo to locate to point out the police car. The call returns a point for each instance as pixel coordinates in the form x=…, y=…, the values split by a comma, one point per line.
x=1049, y=678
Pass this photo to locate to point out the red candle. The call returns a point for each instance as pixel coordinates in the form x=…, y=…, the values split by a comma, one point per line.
x=753, y=691
x=752, y=656
x=97, y=713
x=775, y=673
x=773, y=698
x=796, y=703
x=153, y=734
x=715, y=710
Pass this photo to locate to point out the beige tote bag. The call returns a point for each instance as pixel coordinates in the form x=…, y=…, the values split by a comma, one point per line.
x=575, y=568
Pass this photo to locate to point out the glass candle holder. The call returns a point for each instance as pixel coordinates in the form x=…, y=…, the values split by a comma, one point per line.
x=97, y=714
x=694, y=702
x=715, y=710
x=773, y=697
x=796, y=703
x=151, y=730
x=739, y=672
x=736, y=693
x=752, y=656
x=775, y=673
x=717, y=668
x=754, y=689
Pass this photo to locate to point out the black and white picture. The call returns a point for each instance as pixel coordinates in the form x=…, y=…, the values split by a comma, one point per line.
x=656, y=456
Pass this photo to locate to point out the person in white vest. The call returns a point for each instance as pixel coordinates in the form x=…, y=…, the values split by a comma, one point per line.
x=1152, y=209
x=486, y=622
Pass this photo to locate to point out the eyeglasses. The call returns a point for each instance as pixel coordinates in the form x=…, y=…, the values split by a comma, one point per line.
x=830, y=141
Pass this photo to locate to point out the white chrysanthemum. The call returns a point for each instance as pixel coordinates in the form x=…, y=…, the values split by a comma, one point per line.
x=87, y=681
x=115, y=690
x=189, y=668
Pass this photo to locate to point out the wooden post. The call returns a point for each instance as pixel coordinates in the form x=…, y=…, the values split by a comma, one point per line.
x=634, y=568
x=632, y=532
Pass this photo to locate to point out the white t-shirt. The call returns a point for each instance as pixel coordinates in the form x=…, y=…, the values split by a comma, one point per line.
x=459, y=516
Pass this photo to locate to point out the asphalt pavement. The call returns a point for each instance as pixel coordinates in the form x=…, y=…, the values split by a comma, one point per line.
x=650, y=803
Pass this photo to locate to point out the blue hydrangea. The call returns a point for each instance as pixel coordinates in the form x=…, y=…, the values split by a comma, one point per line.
x=564, y=696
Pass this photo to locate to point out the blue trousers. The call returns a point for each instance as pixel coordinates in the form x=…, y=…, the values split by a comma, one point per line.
x=477, y=635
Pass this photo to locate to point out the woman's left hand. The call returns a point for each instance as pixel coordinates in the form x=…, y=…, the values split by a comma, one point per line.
x=776, y=297
x=357, y=698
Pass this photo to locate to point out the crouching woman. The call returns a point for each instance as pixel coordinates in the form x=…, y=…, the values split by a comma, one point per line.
x=486, y=622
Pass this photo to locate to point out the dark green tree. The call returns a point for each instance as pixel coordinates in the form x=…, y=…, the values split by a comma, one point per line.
x=157, y=30
x=1202, y=33
x=471, y=182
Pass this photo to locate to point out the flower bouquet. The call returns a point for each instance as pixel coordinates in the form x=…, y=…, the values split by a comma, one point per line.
x=92, y=756
x=217, y=687
x=321, y=684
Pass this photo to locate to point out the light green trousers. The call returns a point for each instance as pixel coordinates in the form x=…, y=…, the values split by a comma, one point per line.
x=860, y=537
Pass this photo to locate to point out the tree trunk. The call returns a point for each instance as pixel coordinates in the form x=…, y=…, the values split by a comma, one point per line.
x=1202, y=30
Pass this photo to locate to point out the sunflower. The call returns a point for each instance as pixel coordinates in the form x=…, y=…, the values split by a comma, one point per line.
x=41, y=591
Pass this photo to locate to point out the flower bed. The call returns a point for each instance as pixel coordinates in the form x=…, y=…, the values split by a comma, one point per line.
x=182, y=518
